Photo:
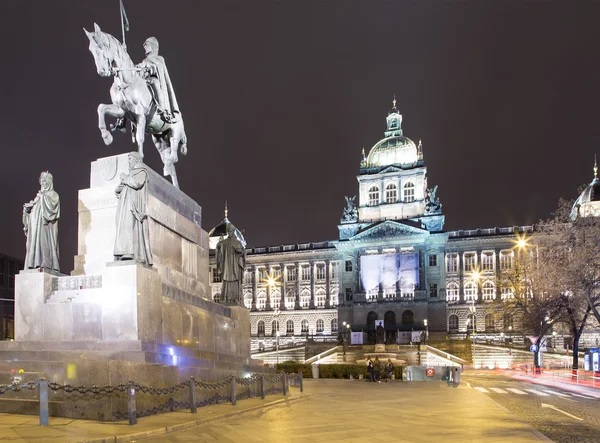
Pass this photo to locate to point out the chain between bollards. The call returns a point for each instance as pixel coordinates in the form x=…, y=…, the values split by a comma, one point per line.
x=43, y=394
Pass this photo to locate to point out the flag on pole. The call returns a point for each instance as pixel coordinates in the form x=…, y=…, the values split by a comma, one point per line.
x=124, y=16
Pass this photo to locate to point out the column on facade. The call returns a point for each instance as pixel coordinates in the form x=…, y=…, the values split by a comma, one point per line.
x=421, y=269
x=282, y=280
x=497, y=272
x=270, y=269
x=312, y=285
x=398, y=285
x=380, y=289
x=327, y=283
x=480, y=279
x=254, y=287
x=297, y=304
x=358, y=287
x=461, y=278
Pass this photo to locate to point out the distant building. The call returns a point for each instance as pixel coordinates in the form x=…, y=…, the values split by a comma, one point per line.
x=9, y=266
x=393, y=261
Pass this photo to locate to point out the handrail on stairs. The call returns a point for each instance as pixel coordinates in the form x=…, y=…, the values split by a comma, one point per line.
x=323, y=354
x=446, y=355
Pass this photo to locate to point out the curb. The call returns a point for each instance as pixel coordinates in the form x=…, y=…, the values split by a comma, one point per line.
x=186, y=425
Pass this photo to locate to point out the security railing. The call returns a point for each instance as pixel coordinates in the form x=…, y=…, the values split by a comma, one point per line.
x=192, y=393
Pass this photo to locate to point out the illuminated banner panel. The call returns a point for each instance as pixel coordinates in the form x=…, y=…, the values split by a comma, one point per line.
x=388, y=269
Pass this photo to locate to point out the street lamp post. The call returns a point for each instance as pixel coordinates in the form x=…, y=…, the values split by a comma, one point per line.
x=426, y=330
x=510, y=335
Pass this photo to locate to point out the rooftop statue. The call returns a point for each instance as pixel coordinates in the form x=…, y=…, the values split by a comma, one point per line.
x=350, y=211
x=432, y=202
x=142, y=94
x=40, y=223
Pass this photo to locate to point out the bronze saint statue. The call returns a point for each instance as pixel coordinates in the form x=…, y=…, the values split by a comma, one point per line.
x=132, y=240
x=231, y=261
x=40, y=223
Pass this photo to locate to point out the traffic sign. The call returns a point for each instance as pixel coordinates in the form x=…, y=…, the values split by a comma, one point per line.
x=533, y=348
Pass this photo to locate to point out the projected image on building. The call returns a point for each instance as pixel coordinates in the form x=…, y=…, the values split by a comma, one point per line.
x=393, y=272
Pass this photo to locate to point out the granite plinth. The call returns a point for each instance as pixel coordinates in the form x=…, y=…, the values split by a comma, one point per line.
x=179, y=244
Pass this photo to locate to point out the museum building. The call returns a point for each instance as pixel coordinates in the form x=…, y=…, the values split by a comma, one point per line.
x=393, y=261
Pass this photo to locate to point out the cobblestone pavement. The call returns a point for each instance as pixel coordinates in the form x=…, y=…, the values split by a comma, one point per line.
x=537, y=405
x=362, y=412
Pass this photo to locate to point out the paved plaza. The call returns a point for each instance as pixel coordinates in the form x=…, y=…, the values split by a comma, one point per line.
x=330, y=410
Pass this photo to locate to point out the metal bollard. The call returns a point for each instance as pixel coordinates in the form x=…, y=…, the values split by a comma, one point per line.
x=284, y=381
x=301, y=381
x=131, y=410
x=262, y=387
x=193, y=407
x=233, y=396
x=43, y=394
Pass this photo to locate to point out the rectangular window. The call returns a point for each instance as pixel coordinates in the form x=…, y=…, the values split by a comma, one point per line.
x=262, y=275
x=247, y=277
x=348, y=294
x=506, y=260
x=320, y=272
x=433, y=260
x=334, y=271
x=305, y=273
x=216, y=276
x=291, y=274
x=487, y=261
x=470, y=261
x=348, y=265
x=276, y=274
x=452, y=263
x=433, y=292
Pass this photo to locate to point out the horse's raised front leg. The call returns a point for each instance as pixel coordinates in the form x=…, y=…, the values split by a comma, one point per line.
x=140, y=133
x=113, y=111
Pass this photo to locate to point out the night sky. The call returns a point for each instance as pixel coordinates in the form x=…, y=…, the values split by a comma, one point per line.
x=279, y=98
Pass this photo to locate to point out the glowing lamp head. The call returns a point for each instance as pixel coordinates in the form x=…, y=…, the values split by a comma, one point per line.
x=521, y=243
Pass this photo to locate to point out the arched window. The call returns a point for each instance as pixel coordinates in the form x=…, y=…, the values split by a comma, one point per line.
x=334, y=326
x=470, y=291
x=320, y=326
x=304, y=326
x=452, y=290
x=453, y=323
x=489, y=290
x=489, y=322
x=274, y=327
x=389, y=320
x=289, y=327
x=217, y=298
x=506, y=293
x=371, y=317
x=374, y=196
x=408, y=317
x=261, y=327
x=409, y=193
x=391, y=193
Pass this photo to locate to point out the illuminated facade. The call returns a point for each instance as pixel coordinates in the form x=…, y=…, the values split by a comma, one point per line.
x=9, y=266
x=393, y=261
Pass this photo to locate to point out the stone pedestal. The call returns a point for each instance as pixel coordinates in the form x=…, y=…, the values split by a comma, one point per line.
x=110, y=322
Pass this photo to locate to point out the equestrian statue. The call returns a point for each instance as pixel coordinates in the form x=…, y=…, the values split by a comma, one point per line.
x=142, y=94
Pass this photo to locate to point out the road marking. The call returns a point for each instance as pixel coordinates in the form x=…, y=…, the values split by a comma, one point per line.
x=499, y=391
x=556, y=393
x=516, y=391
x=583, y=396
x=544, y=405
x=540, y=393
x=485, y=391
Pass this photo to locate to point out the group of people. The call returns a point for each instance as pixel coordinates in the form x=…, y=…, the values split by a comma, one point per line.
x=375, y=370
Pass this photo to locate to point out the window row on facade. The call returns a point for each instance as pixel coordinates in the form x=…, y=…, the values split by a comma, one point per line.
x=471, y=289
x=292, y=273
x=295, y=328
x=390, y=194
x=484, y=261
x=491, y=323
